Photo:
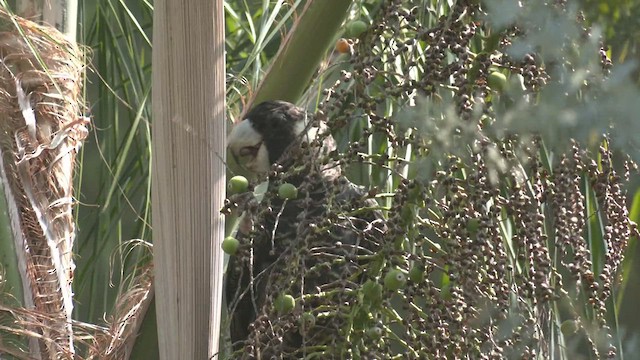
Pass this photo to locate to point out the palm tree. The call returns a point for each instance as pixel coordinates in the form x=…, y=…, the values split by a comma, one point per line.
x=188, y=176
x=432, y=108
x=42, y=131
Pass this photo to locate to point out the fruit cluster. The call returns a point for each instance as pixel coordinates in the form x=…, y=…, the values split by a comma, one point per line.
x=481, y=244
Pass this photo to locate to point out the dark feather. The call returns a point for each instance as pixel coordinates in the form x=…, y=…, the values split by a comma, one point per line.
x=276, y=121
x=304, y=246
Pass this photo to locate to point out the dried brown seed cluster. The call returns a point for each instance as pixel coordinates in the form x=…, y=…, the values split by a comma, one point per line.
x=488, y=245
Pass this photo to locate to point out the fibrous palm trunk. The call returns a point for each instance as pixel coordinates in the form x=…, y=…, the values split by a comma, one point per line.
x=40, y=132
x=188, y=175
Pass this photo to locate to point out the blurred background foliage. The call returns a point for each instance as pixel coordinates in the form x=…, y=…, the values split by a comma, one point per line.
x=114, y=185
x=619, y=21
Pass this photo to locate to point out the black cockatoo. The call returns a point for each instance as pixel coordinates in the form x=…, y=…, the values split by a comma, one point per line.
x=309, y=249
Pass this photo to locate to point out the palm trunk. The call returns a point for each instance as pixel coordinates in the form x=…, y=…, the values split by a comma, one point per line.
x=41, y=133
x=188, y=176
x=61, y=14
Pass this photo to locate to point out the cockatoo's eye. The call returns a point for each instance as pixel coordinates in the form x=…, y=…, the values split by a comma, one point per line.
x=251, y=151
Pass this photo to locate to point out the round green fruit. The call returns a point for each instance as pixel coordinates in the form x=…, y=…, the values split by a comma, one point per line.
x=230, y=245
x=238, y=184
x=285, y=303
x=374, y=332
x=416, y=274
x=287, y=191
x=356, y=28
x=415, y=194
x=472, y=226
x=307, y=321
x=569, y=327
x=408, y=213
x=371, y=293
x=395, y=280
x=497, y=81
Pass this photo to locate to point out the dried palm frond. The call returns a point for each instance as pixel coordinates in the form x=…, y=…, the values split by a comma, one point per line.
x=129, y=312
x=41, y=131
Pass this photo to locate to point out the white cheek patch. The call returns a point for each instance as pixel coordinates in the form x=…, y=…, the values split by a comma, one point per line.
x=242, y=135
